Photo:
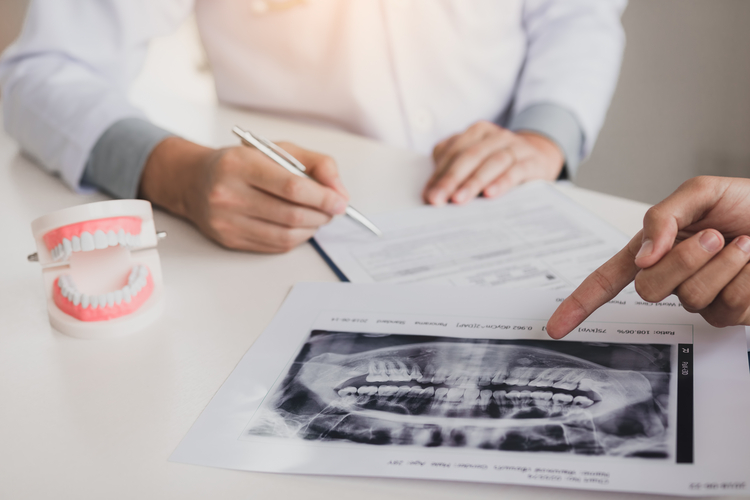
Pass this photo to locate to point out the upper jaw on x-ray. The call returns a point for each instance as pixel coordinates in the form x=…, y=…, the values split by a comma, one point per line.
x=513, y=397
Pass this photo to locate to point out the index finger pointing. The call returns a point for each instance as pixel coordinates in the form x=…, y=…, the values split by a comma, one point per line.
x=599, y=288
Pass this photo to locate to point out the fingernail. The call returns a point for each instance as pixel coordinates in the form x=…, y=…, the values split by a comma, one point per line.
x=340, y=187
x=710, y=242
x=461, y=196
x=490, y=192
x=339, y=208
x=437, y=197
x=744, y=243
x=646, y=248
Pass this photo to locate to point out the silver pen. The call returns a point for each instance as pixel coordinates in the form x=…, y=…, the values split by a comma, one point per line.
x=291, y=164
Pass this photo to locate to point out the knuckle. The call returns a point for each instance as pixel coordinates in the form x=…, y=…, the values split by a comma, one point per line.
x=501, y=156
x=504, y=133
x=653, y=214
x=647, y=289
x=692, y=296
x=603, y=282
x=736, y=303
x=684, y=258
x=219, y=195
x=478, y=127
x=230, y=160
x=327, y=163
x=472, y=153
x=699, y=183
x=295, y=217
x=292, y=188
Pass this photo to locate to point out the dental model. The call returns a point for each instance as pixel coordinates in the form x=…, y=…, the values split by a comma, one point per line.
x=100, y=266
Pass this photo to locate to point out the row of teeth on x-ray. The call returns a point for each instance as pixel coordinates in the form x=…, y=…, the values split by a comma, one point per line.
x=469, y=396
x=397, y=371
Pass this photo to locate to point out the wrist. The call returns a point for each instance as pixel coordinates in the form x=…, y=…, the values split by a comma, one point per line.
x=554, y=157
x=171, y=173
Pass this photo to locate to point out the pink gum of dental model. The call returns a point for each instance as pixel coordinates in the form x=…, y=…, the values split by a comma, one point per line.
x=130, y=225
x=102, y=313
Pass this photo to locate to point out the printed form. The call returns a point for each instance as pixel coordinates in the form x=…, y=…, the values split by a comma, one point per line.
x=533, y=237
x=462, y=383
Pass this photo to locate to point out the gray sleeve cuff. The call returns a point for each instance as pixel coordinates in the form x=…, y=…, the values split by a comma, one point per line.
x=557, y=124
x=119, y=155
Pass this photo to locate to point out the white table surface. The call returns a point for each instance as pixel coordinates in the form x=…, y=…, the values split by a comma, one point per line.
x=97, y=419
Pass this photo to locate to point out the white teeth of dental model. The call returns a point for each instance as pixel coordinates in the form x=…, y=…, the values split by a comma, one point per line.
x=100, y=240
x=137, y=280
x=87, y=242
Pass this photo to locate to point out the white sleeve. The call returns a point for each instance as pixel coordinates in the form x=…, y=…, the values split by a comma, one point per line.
x=65, y=80
x=573, y=59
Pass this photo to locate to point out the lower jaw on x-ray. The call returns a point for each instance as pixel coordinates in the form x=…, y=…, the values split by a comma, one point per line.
x=543, y=396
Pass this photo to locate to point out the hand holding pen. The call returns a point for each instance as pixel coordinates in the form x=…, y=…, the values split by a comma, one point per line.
x=292, y=165
x=240, y=198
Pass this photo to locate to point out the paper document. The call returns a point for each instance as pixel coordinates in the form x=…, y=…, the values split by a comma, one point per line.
x=533, y=237
x=464, y=384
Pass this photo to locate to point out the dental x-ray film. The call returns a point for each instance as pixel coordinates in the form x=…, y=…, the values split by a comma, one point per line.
x=582, y=398
x=464, y=384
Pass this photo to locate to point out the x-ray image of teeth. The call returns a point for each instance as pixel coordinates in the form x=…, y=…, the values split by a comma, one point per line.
x=512, y=395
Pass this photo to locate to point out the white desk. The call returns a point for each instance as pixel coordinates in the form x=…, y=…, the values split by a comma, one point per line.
x=98, y=419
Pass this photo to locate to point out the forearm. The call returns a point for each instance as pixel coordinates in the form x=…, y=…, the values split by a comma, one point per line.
x=65, y=79
x=572, y=61
x=171, y=173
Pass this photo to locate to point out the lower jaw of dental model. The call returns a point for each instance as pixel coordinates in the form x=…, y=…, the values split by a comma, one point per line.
x=100, y=267
x=108, y=306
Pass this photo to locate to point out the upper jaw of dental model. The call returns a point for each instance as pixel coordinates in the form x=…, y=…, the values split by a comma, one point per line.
x=93, y=235
x=107, y=306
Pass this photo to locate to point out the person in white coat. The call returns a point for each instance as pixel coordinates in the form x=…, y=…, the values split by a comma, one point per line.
x=501, y=92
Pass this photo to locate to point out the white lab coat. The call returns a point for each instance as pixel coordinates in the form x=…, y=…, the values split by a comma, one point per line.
x=408, y=72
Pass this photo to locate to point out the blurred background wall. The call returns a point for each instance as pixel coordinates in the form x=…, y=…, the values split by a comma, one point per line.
x=682, y=106
x=11, y=17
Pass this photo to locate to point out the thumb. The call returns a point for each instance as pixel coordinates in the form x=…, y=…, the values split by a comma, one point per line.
x=664, y=220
